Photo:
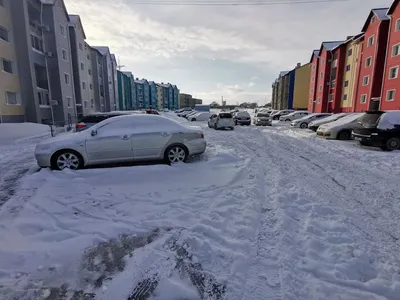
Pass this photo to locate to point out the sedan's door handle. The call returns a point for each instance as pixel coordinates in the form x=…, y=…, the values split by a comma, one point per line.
x=125, y=137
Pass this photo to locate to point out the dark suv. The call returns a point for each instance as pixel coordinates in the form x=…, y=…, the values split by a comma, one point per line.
x=89, y=120
x=379, y=129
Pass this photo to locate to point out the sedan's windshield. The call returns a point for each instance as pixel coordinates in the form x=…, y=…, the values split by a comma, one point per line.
x=370, y=119
x=262, y=115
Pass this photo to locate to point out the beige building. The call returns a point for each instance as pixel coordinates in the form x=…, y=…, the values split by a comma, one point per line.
x=11, y=109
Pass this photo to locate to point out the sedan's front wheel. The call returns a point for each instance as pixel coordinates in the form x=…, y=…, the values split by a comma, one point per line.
x=303, y=125
x=67, y=159
x=175, y=154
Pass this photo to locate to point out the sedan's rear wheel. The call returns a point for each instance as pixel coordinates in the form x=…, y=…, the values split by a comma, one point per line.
x=175, y=154
x=67, y=159
x=303, y=125
x=391, y=144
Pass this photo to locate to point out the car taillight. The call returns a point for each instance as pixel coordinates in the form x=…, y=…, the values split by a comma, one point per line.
x=202, y=135
x=80, y=126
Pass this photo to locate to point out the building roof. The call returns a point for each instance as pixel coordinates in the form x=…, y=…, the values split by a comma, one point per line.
x=102, y=49
x=76, y=19
x=315, y=53
x=330, y=45
x=141, y=81
x=113, y=58
x=393, y=7
x=52, y=2
x=127, y=73
x=380, y=13
x=283, y=73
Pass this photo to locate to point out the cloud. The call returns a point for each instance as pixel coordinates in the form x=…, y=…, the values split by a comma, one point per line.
x=251, y=84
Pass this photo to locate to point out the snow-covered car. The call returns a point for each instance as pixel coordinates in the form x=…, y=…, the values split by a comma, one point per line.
x=379, y=129
x=303, y=122
x=262, y=119
x=276, y=115
x=184, y=113
x=201, y=116
x=340, y=129
x=294, y=116
x=315, y=124
x=242, y=118
x=221, y=120
x=122, y=139
x=192, y=113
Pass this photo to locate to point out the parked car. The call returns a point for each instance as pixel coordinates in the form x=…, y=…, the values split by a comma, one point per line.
x=340, y=129
x=262, y=119
x=186, y=113
x=92, y=119
x=294, y=116
x=192, y=113
x=315, y=124
x=379, y=129
x=201, y=116
x=303, y=122
x=152, y=112
x=276, y=115
x=183, y=109
x=242, y=118
x=122, y=139
x=221, y=120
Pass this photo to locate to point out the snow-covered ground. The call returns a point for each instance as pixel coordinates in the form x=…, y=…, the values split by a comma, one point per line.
x=265, y=213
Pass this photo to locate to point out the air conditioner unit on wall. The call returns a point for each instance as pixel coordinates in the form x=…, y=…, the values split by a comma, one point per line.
x=45, y=28
x=48, y=54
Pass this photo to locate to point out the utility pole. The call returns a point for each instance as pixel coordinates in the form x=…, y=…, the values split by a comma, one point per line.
x=120, y=67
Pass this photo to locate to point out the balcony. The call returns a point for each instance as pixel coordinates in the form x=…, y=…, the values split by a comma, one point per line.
x=41, y=77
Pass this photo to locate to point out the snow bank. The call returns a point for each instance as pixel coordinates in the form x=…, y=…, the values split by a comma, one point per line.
x=10, y=132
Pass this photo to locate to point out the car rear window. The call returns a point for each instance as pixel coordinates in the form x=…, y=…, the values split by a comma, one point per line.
x=262, y=115
x=225, y=116
x=93, y=119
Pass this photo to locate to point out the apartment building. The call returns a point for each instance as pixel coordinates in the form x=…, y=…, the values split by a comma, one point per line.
x=390, y=99
x=11, y=107
x=312, y=94
x=105, y=61
x=372, y=60
x=42, y=43
x=160, y=95
x=153, y=95
x=142, y=93
x=302, y=75
x=175, y=97
x=82, y=67
x=98, y=79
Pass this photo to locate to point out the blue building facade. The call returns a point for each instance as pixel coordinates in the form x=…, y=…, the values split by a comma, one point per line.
x=142, y=93
x=153, y=94
x=175, y=97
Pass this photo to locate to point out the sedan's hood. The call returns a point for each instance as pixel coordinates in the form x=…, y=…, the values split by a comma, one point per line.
x=65, y=138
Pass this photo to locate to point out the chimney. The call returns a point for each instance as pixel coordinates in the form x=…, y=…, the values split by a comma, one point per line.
x=349, y=37
x=298, y=65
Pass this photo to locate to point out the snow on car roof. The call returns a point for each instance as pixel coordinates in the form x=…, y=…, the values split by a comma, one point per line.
x=389, y=119
x=345, y=120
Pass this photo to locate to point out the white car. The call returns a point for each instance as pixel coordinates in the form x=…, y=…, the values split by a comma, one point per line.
x=221, y=120
x=303, y=122
x=340, y=129
x=315, y=124
x=122, y=139
x=294, y=116
x=201, y=116
x=276, y=115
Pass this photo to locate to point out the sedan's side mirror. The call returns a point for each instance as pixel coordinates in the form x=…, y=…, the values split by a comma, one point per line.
x=93, y=133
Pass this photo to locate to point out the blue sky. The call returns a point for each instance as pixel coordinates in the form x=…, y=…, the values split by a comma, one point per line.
x=209, y=52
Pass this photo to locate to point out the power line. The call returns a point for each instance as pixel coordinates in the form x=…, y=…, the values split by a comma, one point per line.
x=229, y=3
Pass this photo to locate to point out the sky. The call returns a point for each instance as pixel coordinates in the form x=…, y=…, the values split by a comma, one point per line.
x=235, y=52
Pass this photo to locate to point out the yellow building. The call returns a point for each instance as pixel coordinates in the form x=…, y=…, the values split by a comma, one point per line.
x=301, y=86
x=349, y=77
x=11, y=109
x=160, y=101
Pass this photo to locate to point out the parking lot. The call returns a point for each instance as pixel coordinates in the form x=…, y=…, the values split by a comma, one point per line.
x=265, y=213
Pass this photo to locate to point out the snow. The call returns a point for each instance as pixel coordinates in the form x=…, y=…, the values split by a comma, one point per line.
x=389, y=120
x=265, y=213
x=345, y=120
x=11, y=132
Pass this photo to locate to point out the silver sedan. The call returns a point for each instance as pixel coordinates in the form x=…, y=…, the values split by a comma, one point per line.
x=122, y=139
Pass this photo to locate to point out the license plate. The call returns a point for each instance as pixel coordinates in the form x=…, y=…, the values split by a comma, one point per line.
x=357, y=138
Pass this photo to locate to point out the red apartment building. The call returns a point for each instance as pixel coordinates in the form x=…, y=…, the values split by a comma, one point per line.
x=314, y=64
x=372, y=60
x=390, y=98
x=326, y=71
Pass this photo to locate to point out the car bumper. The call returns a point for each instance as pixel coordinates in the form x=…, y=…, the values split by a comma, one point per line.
x=295, y=125
x=264, y=123
x=197, y=146
x=313, y=128
x=371, y=140
x=43, y=160
x=325, y=135
x=246, y=122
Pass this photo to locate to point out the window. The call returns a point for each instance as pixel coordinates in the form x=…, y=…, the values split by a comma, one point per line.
x=368, y=62
x=322, y=61
x=80, y=46
x=396, y=50
x=83, y=85
x=67, y=78
x=4, y=34
x=312, y=90
x=350, y=52
x=91, y=86
x=320, y=88
x=319, y=100
x=99, y=60
x=62, y=30
x=85, y=104
x=335, y=56
x=322, y=75
x=88, y=56
x=7, y=65
x=311, y=101
x=82, y=66
x=313, y=67
x=373, y=19
x=69, y=101
x=44, y=99
x=330, y=98
x=370, y=41
x=12, y=99
x=37, y=43
x=363, y=99
x=390, y=95
x=393, y=72
x=90, y=72
x=346, y=83
x=365, y=80
x=344, y=97
x=64, y=54
x=313, y=79
x=397, y=25
x=348, y=68
x=91, y=102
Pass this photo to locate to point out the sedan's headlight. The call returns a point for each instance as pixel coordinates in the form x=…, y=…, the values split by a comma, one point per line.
x=259, y=120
